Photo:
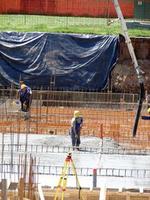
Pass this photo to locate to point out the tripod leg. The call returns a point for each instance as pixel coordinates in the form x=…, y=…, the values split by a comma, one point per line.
x=60, y=180
x=77, y=181
x=64, y=182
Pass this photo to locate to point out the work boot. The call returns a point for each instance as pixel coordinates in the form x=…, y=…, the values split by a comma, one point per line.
x=26, y=116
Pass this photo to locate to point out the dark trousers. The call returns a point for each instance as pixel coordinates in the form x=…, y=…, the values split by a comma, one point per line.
x=25, y=105
x=75, y=138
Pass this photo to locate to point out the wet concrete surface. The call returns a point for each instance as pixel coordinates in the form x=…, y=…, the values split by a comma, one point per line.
x=81, y=160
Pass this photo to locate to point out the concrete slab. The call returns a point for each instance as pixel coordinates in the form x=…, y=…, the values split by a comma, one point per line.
x=81, y=160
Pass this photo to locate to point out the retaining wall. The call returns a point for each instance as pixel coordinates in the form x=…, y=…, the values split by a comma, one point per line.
x=124, y=78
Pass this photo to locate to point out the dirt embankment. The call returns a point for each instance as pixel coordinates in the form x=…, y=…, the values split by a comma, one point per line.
x=124, y=77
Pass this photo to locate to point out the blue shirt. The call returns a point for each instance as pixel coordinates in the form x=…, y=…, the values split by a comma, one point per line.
x=25, y=94
x=76, y=124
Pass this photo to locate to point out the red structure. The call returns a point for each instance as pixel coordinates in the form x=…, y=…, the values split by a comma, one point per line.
x=10, y=6
x=91, y=8
x=94, y=8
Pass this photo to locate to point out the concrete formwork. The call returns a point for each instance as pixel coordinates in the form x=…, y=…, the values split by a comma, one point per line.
x=72, y=194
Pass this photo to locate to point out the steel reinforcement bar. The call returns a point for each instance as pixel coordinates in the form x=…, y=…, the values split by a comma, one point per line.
x=20, y=148
x=57, y=170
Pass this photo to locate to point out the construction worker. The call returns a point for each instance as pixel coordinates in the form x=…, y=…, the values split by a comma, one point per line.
x=76, y=125
x=25, y=95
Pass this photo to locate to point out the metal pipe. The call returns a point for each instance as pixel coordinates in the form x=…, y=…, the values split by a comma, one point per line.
x=136, y=66
x=137, y=116
x=94, y=178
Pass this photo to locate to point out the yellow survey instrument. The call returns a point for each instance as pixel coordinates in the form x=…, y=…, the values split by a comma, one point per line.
x=61, y=187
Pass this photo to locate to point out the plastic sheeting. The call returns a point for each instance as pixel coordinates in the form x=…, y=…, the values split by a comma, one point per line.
x=74, y=61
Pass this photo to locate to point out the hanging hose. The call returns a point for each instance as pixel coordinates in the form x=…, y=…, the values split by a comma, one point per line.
x=136, y=66
x=140, y=103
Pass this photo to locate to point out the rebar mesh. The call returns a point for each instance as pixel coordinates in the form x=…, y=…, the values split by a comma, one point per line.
x=105, y=115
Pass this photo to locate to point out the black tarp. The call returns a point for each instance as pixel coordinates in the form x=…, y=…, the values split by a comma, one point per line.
x=76, y=61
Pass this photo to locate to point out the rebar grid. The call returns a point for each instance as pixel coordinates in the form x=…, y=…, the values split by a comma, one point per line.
x=43, y=149
x=40, y=169
x=106, y=115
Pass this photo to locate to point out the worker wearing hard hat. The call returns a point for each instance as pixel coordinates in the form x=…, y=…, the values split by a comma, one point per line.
x=25, y=95
x=76, y=125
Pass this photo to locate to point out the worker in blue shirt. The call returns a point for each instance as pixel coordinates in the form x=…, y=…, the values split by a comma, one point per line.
x=76, y=125
x=25, y=95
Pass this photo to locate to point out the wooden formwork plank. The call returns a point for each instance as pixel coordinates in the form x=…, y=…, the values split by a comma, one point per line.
x=111, y=194
x=21, y=189
x=116, y=197
x=4, y=189
x=127, y=195
x=138, y=197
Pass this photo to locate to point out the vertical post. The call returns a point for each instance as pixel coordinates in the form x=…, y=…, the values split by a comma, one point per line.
x=18, y=138
x=41, y=97
x=94, y=178
x=37, y=111
x=110, y=83
x=21, y=188
x=2, y=155
x=40, y=191
x=4, y=189
x=102, y=195
x=26, y=150
x=12, y=147
x=101, y=131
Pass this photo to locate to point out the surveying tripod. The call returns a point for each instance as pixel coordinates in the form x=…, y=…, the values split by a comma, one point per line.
x=61, y=187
